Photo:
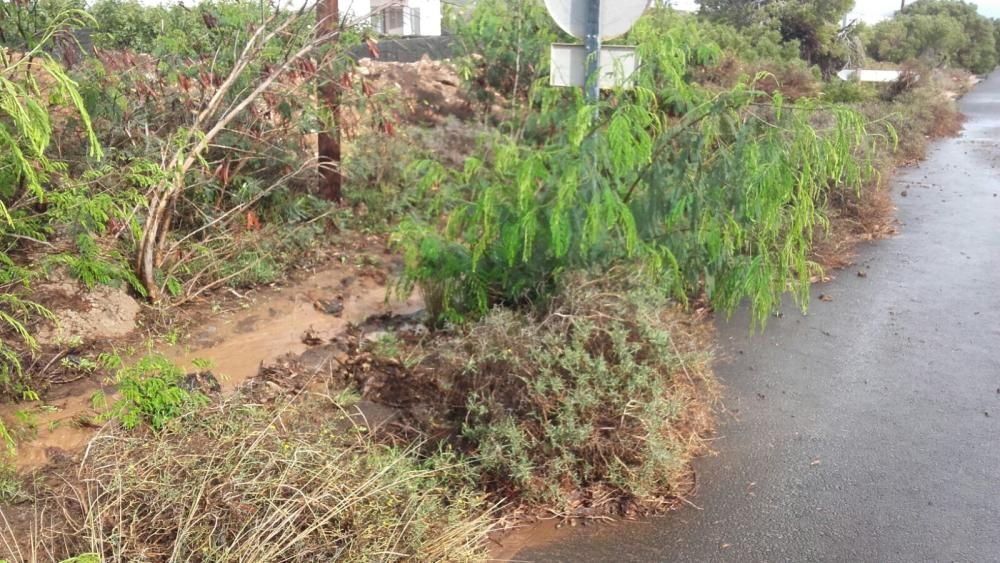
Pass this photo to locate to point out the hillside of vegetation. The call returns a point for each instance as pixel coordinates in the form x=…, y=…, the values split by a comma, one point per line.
x=158, y=172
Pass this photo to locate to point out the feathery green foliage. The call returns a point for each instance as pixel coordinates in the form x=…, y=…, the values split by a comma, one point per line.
x=720, y=193
x=152, y=392
x=32, y=86
x=26, y=127
x=503, y=46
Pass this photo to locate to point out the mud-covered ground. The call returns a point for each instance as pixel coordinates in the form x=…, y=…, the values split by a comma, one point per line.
x=234, y=334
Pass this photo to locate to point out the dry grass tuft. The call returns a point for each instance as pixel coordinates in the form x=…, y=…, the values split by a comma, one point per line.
x=855, y=218
x=243, y=483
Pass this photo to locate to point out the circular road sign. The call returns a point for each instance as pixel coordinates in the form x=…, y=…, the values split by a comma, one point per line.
x=617, y=16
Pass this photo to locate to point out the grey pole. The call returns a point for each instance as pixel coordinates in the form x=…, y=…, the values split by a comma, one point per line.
x=593, y=44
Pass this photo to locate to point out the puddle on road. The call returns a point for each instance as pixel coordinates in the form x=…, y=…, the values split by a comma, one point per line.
x=532, y=535
x=548, y=532
x=236, y=343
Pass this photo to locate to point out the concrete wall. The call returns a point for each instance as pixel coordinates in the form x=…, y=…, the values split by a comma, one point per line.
x=409, y=49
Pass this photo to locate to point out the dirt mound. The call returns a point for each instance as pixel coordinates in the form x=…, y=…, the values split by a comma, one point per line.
x=86, y=315
x=428, y=91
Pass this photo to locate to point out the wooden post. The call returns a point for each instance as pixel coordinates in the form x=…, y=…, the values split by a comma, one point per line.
x=331, y=180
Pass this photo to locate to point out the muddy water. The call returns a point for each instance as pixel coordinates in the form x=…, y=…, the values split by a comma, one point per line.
x=274, y=324
x=235, y=343
x=51, y=428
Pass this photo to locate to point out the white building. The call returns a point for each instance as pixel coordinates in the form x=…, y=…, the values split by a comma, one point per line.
x=396, y=17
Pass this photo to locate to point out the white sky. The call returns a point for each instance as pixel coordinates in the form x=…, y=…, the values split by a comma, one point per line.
x=874, y=10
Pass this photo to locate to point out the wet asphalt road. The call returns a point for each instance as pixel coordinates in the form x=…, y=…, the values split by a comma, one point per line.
x=868, y=430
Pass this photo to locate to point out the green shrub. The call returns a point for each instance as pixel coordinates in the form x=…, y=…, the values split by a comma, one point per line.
x=152, y=392
x=847, y=92
x=811, y=25
x=41, y=196
x=94, y=265
x=918, y=113
x=16, y=341
x=709, y=192
x=503, y=46
x=10, y=481
x=602, y=392
x=27, y=127
x=154, y=70
x=379, y=186
x=940, y=32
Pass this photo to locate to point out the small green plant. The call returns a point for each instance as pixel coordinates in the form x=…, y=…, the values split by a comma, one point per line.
x=151, y=392
x=7, y=443
x=15, y=313
x=10, y=483
x=387, y=345
x=111, y=360
x=26, y=425
x=71, y=342
x=847, y=92
x=99, y=400
x=171, y=337
x=85, y=558
x=368, y=260
x=347, y=397
x=84, y=365
x=93, y=266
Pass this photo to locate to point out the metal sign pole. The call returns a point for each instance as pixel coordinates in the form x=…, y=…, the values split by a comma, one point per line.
x=591, y=65
x=593, y=45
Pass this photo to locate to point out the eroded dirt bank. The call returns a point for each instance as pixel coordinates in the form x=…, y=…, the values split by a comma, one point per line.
x=868, y=430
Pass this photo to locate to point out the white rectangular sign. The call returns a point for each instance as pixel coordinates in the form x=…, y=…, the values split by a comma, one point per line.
x=569, y=66
x=870, y=75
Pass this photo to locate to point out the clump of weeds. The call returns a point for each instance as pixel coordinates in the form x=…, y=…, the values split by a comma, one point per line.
x=591, y=405
x=298, y=482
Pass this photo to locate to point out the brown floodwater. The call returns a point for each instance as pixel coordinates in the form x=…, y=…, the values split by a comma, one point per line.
x=236, y=343
x=268, y=326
